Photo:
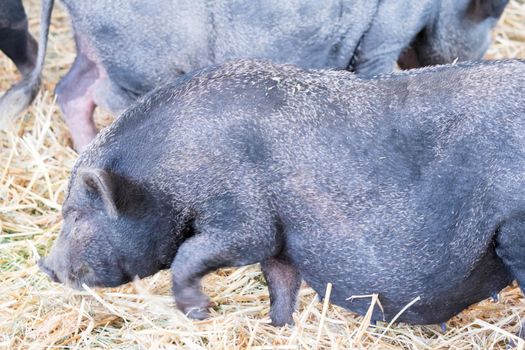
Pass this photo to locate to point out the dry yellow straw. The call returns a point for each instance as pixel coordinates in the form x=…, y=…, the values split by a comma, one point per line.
x=35, y=313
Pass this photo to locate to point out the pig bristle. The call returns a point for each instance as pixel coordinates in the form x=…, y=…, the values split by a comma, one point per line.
x=35, y=313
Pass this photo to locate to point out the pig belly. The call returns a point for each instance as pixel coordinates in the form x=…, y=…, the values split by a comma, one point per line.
x=441, y=297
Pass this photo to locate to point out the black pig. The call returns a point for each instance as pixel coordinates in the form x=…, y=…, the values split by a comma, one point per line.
x=125, y=48
x=15, y=40
x=22, y=49
x=408, y=185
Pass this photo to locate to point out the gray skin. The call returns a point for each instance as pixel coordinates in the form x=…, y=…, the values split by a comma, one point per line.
x=15, y=40
x=408, y=185
x=125, y=48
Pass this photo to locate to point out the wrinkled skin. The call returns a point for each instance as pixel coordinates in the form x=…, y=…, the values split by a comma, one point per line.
x=125, y=48
x=15, y=40
x=409, y=185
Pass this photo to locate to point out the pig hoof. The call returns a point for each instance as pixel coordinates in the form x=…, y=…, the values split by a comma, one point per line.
x=192, y=302
x=495, y=297
x=197, y=313
x=443, y=327
x=281, y=321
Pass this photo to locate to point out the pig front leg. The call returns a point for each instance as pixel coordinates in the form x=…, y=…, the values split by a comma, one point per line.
x=394, y=27
x=284, y=282
x=510, y=247
x=372, y=61
x=220, y=242
x=371, y=67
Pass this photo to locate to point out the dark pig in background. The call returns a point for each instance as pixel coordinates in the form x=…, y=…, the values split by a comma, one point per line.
x=15, y=40
x=125, y=48
x=409, y=186
x=22, y=49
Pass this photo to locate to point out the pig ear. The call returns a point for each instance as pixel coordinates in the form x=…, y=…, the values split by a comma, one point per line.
x=482, y=9
x=99, y=182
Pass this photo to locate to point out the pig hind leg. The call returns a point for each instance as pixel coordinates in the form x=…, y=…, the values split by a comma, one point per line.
x=74, y=95
x=226, y=238
x=284, y=282
x=19, y=46
x=85, y=87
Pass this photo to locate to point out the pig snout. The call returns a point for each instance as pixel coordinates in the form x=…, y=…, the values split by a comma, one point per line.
x=42, y=264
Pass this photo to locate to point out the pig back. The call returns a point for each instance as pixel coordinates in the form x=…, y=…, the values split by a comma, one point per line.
x=141, y=43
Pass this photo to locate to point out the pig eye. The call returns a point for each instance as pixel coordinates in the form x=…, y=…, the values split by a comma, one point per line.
x=72, y=215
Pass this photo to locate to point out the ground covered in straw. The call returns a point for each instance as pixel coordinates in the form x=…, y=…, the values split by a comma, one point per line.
x=35, y=161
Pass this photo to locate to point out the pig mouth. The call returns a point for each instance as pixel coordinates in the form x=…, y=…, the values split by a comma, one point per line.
x=48, y=271
x=75, y=279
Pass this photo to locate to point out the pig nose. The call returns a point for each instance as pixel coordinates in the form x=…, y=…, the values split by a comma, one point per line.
x=47, y=270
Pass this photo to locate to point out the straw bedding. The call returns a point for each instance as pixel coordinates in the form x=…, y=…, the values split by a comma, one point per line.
x=35, y=161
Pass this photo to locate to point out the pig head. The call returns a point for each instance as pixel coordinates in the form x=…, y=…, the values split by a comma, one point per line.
x=105, y=219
